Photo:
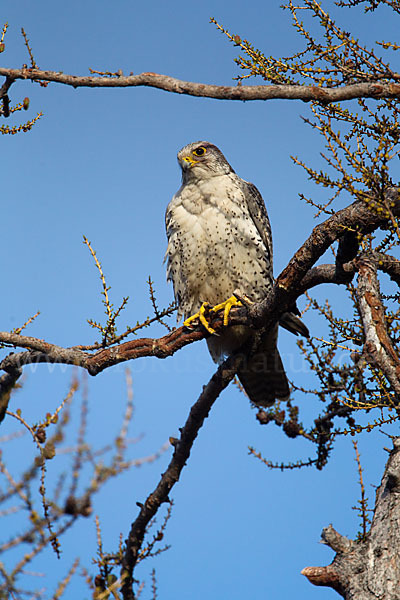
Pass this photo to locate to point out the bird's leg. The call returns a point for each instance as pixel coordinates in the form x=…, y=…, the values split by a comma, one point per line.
x=201, y=317
x=237, y=299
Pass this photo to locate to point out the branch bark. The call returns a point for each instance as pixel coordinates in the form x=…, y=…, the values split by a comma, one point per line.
x=368, y=568
x=363, y=216
x=298, y=276
x=7, y=382
x=378, y=350
x=198, y=413
x=218, y=92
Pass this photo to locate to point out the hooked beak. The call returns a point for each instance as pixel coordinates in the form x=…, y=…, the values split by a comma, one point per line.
x=188, y=162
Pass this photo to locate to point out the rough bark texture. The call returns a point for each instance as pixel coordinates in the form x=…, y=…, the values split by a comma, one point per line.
x=368, y=569
x=298, y=276
x=182, y=447
x=368, y=89
x=378, y=350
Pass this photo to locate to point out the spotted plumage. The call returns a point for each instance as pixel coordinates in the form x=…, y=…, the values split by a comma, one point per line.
x=219, y=240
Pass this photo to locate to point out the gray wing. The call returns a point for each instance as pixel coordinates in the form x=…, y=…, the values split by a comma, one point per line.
x=258, y=212
x=259, y=215
x=173, y=257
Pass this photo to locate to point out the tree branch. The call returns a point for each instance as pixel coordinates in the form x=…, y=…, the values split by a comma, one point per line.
x=297, y=277
x=378, y=350
x=4, y=96
x=218, y=92
x=7, y=382
x=198, y=413
x=368, y=568
x=363, y=216
x=389, y=265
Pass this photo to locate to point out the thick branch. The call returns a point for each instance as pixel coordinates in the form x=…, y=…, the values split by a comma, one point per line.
x=368, y=568
x=327, y=274
x=362, y=216
x=389, y=265
x=218, y=92
x=198, y=413
x=378, y=349
x=43, y=352
x=344, y=273
x=293, y=281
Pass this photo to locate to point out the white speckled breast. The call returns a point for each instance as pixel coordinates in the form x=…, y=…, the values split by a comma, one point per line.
x=214, y=246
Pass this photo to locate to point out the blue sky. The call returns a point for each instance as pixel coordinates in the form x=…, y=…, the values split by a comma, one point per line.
x=102, y=163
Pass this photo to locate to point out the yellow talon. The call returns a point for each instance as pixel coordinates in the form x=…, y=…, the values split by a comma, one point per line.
x=203, y=319
x=200, y=317
x=227, y=305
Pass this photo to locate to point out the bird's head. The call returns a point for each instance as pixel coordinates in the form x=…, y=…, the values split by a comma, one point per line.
x=202, y=160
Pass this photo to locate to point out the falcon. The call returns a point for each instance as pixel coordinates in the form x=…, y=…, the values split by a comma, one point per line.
x=219, y=242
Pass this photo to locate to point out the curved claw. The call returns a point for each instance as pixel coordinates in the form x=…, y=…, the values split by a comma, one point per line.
x=227, y=306
x=200, y=316
x=203, y=319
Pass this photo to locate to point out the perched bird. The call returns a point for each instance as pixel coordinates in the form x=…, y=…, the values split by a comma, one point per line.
x=219, y=240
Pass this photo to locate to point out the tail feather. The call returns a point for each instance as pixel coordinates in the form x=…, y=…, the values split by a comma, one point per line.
x=262, y=374
x=264, y=378
x=293, y=324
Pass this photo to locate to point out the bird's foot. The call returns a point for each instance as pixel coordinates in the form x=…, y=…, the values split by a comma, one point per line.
x=200, y=316
x=227, y=306
x=205, y=308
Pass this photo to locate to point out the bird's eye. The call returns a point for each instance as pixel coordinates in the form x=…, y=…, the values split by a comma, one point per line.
x=199, y=151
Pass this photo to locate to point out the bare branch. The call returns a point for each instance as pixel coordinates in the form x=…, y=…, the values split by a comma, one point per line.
x=363, y=215
x=327, y=274
x=40, y=351
x=4, y=96
x=7, y=382
x=219, y=92
x=294, y=280
x=378, y=349
x=198, y=413
x=359, y=568
x=389, y=265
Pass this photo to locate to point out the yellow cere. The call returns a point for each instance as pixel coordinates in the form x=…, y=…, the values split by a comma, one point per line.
x=190, y=160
